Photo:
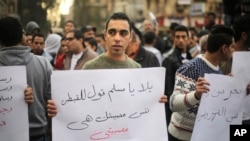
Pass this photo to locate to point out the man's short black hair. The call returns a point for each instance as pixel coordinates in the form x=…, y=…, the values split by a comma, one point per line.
x=219, y=35
x=77, y=33
x=181, y=28
x=241, y=24
x=38, y=35
x=70, y=21
x=173, y=25
x=88, y=28
x=149, y=37
x=11, y=31
x=119, y=16
x=211, y=14
x=92, y=41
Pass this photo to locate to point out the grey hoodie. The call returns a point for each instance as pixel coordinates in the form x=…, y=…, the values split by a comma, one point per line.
x=30, y=26
x=38, y=77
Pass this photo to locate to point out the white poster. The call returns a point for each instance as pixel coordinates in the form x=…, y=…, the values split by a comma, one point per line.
x=109, y=105
x=219, y=108
x=14, y=124
x=241, y=69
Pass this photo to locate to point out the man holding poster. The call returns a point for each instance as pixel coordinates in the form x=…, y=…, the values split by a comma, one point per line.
x=12, y=53
x=117, y=36
x=242, y=46
x=190, y=84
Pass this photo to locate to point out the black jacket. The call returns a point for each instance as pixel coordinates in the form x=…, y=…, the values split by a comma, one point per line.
x=172, y=63
x=146, y=58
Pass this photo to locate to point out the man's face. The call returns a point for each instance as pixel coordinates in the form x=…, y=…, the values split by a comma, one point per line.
x=73, y=43
x=28, y=40
x=181, y=39
x=148, y=26
x=64, y=46
x=38, y=45
x=210, y=20
x=69, y=26
x=118, y=36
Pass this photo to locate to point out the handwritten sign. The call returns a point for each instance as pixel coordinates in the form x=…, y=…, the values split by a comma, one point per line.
x=109, y=105
x=241, y=69
x=220, y=107
x=12, y=104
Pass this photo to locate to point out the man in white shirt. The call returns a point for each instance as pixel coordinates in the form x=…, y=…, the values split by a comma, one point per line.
x=149, y=39
x=78, y=55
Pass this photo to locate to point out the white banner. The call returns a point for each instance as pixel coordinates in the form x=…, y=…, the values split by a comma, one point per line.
x=109, y=105
x=219, y=108
x=241, y=69
x=14, y=125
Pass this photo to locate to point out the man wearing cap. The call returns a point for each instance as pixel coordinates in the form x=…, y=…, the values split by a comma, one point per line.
x=88, y=31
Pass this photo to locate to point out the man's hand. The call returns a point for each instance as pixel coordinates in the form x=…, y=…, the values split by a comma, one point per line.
x=163, y=99
x=201, y=87
x=28, y=95
x=51, y=108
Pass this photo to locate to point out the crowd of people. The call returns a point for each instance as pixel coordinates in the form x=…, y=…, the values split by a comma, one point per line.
x=187, y=54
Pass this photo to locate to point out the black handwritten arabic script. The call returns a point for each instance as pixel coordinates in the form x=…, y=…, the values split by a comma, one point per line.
x=84, y=124
x=95, y=93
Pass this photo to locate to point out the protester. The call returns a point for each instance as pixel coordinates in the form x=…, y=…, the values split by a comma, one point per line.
x=149, y=25
x=37, y=47
x=28, y=39
x=61, y=54
x=190, y=84
x=149, y=39
x=52, y=44
x=242, y=40
x=117, y=36
x=12, y=53
x=138, y=53
x=210, y=20
x=242, y=43
x=77, y=55
x=69, y=25
x=177, y=56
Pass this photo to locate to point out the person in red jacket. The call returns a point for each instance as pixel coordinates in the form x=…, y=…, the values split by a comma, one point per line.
x=59, y=60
